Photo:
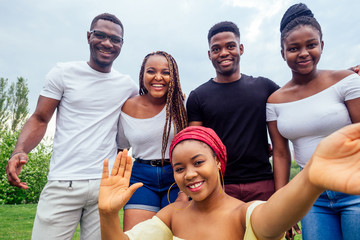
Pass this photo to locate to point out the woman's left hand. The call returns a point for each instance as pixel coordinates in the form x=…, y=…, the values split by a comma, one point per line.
x=114, y=190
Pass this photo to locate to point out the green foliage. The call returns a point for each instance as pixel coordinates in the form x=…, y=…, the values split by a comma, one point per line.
x=295, y=169
x=13, y=114
x=13, y=103
x=34, y=173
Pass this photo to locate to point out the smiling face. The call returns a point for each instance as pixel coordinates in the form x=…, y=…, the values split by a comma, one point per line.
x=157, y=76
x=196, y=169
x=225, y=51
x=103, y=52
x=302, y=49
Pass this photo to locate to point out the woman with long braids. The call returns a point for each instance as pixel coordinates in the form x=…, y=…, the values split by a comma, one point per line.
x=312, y=105
x=148, y=123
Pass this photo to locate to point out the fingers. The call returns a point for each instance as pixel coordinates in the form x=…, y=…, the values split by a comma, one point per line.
x=352, y=131
x=105, y=173
x=120, y=163
x=115, y=168
x=13, y=168
x=123, y=161
x=134, y=187
x=297, y=229
x=128, y=168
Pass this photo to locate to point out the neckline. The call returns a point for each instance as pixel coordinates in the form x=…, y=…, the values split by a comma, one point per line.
x=316, y=94
x=155, y=116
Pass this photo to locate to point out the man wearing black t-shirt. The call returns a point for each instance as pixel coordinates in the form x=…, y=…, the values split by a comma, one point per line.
x=234, y=105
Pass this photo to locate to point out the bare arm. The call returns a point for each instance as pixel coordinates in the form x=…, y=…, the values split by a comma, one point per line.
x=30, y=136
x=281, y=156
x=334, y=165
x=353, y=107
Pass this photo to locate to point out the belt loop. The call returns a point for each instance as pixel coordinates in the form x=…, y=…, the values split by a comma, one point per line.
x=70, y=186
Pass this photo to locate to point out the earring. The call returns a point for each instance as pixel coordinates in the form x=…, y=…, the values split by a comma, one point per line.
x=171, y=204
x=221, y=183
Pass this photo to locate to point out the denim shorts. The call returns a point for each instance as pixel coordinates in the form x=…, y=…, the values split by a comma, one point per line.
x=152, y=196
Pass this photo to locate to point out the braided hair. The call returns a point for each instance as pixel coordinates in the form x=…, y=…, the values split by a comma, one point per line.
x=175, y=109
x=297, y=15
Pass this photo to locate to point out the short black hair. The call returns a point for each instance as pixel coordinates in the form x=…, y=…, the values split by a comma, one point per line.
x=107, y=17
x=296, y=15
x=225, y=26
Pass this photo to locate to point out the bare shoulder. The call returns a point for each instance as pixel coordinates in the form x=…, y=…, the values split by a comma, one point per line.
x=337, y=75
x=131, y=104
x=280, y=95
x=167, y=213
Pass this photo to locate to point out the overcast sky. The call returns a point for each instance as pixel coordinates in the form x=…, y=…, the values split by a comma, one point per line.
x=37, y=34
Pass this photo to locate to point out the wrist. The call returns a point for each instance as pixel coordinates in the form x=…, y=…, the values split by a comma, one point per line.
x=16, y=153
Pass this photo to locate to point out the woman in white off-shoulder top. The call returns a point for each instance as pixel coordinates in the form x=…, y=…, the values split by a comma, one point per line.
x=311, y=106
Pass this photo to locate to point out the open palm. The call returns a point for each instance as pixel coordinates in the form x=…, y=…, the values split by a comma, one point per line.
x=114, y=189
x=335, y=164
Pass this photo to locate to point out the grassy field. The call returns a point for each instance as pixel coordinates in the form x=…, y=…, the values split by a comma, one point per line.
x=16, y=222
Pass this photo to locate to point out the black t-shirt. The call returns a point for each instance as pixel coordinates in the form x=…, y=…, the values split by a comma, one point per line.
x=237, y=113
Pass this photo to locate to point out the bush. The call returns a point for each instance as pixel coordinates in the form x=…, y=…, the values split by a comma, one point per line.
x=34, y=173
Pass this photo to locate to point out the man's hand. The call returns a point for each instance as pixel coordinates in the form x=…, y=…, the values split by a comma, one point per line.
x=14, y=168
x=114, y=190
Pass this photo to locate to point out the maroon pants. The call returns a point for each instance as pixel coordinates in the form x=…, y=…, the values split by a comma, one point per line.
x=261, y=190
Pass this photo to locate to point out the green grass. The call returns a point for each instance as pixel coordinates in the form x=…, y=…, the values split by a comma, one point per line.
x=16, y=222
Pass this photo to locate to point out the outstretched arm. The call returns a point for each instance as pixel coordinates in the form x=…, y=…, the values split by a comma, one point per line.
x=114, y=193
x=335, y=165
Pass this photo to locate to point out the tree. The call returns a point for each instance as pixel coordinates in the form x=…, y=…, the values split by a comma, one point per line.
x=13, y=114
x=13, y=103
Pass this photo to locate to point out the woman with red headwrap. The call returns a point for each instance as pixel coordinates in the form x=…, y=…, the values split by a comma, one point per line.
x=198, y=158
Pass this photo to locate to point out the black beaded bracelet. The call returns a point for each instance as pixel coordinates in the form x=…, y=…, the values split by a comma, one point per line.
x=15, y=153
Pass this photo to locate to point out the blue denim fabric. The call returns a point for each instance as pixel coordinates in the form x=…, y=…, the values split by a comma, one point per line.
x=153, y=195
x=334, y=216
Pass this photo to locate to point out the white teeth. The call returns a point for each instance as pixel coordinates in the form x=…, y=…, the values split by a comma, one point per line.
x=157, y=85
x=105, y=52
x=195, y=185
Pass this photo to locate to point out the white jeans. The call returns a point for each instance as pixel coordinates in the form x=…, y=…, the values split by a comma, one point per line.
x=62, y=205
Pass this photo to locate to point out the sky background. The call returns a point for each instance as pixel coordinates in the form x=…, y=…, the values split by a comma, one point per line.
x=37, y=34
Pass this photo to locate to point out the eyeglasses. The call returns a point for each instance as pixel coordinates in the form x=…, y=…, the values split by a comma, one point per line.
x=103, y=36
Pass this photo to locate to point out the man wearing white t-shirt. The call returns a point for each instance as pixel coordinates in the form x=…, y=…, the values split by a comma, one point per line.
x=88, y=97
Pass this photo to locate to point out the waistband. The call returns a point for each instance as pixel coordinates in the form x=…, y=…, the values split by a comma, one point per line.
x=153, y=162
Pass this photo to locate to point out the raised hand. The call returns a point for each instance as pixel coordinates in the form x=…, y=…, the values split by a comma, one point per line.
x=335, y=164
x=114, y=189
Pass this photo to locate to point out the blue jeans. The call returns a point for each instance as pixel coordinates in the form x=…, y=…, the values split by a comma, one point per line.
x=335, y=216
x=152, y=196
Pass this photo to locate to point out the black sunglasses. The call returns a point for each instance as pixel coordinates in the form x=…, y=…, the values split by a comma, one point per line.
x=103, y=36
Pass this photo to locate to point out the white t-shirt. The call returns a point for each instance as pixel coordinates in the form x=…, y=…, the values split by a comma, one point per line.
x=307, y=121
x=144, y=135
x=86, y=120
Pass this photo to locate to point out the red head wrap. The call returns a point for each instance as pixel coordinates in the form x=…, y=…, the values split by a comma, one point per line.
x=203, y=134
